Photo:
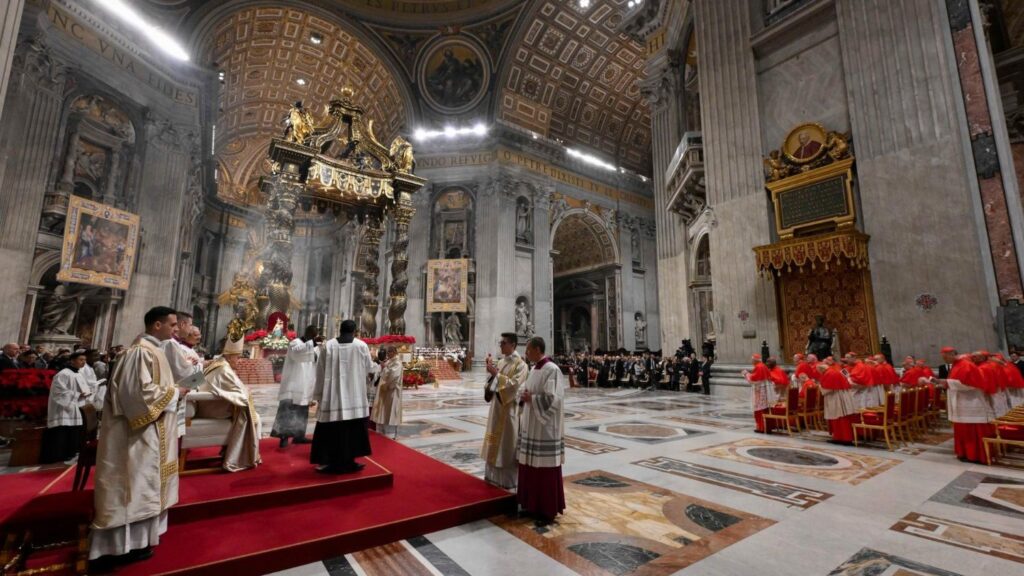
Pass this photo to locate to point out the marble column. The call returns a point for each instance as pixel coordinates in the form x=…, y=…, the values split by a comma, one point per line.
x=10, y=21
x=543, y=295
x=417, y=324
x=495, y=265
x=627, y=225
x=27, y=135
x=162, y=196
x=663, y=92
x=735, y=184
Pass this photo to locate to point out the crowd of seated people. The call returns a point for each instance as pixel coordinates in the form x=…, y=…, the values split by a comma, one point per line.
x=684, y=370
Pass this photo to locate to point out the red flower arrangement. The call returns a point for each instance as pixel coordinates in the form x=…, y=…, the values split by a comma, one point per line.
x=390, y=339
x=23, y=392
x=261, y=334
x=413, y=379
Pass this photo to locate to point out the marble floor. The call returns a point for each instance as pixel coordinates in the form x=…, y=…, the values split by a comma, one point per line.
x=664, y=483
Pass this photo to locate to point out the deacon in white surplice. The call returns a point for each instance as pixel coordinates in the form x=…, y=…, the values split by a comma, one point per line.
x=501, y=467
x=182, y=360
x=136, y=461
x=298, y=377
x=541, y=437
x=341, y=435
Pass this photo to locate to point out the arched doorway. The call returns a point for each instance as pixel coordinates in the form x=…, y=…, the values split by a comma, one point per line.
x=700, y=288
x=586, y=294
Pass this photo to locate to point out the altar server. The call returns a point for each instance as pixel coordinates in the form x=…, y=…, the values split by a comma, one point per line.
x=840, y=410
x=762, y=391
x=298, y=377
x=387, y=406
x=541, y=450
x=499, y=448
x=136, y=462
x=340, y=435
x=242, y=448
x=69, y=391
x=969, y=407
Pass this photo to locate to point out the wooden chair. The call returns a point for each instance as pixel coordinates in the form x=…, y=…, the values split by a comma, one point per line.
x=787, y=411
x=87, y=449
x=1009, y=432
x=811, y=411
x=882, y=418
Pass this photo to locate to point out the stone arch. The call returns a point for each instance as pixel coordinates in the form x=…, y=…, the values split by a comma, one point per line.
x=43, y=263
x=598, y=246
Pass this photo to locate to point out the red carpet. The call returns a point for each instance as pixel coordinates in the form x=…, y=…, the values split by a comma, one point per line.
x=16, y=489
x=285, y=478
x=245, y=525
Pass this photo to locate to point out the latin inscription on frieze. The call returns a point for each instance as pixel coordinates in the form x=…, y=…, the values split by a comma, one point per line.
x=813, y=203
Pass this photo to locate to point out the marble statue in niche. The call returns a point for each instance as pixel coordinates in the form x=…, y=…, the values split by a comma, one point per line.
x=524, y=327
x=640, y=329
x=454, y=239
x=453, y=331
x=524, y=227
x=58, y=312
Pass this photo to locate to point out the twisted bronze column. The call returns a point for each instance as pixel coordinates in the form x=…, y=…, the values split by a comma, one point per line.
x=400, y=264
x=371, y=291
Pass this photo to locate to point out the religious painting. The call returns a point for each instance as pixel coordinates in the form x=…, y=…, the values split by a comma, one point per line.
x=805, y=143
x=454, y=75
x=447, y=285
x=99, y=244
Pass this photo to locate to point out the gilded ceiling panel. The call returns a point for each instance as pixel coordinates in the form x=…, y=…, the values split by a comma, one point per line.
x=573, y=77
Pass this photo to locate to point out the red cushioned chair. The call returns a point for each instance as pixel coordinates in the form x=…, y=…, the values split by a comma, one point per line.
x=882, y=418
x=787, y=411
x=811, y=410
x=56, y=524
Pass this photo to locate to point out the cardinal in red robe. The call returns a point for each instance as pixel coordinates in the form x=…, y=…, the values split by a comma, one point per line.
x=970, y=410
x=806, y=372
x=761, y=391
x=840, y=411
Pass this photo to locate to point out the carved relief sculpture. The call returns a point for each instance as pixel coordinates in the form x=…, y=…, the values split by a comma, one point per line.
x=524, y=226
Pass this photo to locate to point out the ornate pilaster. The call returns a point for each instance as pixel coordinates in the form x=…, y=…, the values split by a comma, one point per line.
x=371, y=291
x=10, y=20
x=400, y=263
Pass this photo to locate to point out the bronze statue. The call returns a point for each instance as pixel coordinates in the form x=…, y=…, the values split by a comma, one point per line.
x=401, y=152
x=300, y=124
x=819, y=339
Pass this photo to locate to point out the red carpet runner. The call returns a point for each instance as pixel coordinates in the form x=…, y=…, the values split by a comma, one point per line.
x=252, y=523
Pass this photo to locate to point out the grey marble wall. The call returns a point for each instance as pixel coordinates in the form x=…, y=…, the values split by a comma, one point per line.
x=915, y=184
x=735, y=184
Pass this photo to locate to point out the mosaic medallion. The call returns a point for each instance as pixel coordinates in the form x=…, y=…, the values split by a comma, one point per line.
x=646, y=432
x=616, y=525
x=827, y=463
x=454, y=74
x=462, y=455
x=425, y=429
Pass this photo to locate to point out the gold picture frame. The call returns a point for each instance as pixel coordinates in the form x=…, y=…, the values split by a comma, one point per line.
x=99, y=246
x=448, y=285
x=805, y=143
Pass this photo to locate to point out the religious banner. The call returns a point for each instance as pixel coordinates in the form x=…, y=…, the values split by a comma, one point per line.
x=447, y=285
x=99, y=245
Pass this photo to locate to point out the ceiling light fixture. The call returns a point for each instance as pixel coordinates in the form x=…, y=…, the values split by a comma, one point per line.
x=315, y=38
x=584, y=4
x=450, y=132
x=157, y=36
x=300, y=81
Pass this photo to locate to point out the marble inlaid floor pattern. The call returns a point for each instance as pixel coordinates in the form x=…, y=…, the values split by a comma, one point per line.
x=668, y=482
x=826, y=463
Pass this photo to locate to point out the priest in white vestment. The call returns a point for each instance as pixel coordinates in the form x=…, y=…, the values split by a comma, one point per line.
x=183, y=361
x=136, y=461
x=387, y=406
x=242, y=450
x=69, y=391
x=341, y=435
x=501, y=466
x=541, y=450
x=298, y=378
